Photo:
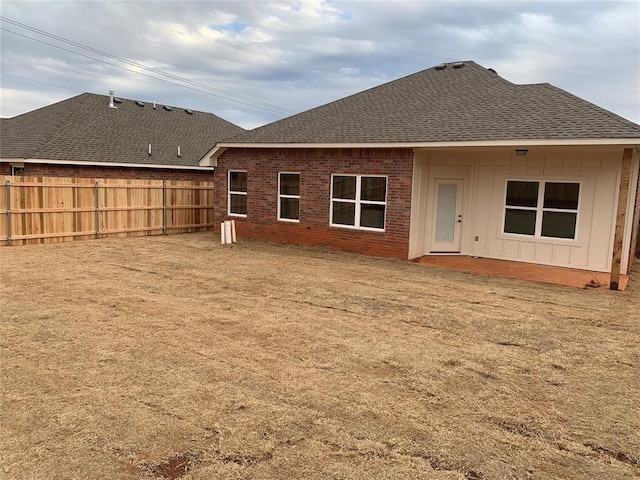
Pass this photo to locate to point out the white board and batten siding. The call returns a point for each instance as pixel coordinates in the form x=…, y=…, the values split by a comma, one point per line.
x=484, y=175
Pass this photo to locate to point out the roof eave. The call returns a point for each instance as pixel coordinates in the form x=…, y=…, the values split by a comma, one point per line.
x=102, y=164
x=210, y=159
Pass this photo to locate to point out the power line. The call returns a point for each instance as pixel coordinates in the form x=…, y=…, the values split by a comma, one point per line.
x=221, y=93
x=139, y=73
x=139, y=65
x=38, y=81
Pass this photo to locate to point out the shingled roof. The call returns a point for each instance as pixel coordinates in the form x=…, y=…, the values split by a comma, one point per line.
x=460, y=102
x=84, y=128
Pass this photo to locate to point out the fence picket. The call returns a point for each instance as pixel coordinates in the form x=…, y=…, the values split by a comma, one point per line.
x=52, y=209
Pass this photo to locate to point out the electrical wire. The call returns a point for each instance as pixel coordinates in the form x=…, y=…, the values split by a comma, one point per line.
x=221, y=93
x=38, y=81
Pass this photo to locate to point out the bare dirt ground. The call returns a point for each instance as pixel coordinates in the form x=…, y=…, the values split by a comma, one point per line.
x=174, y=357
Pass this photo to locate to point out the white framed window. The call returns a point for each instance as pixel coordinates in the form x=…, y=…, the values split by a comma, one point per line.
x=237, y=198
x=542, y=208
x=289, y=197
x=17, y=170
x=358, y=201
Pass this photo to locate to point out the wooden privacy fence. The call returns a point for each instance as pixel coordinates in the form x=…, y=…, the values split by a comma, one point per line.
x=51, y=209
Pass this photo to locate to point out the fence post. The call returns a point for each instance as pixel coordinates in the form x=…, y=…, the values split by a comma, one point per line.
x=97, y=208
x=7, y=184
x=164, y=207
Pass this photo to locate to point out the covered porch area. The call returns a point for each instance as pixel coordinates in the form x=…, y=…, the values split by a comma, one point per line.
x=561, y=214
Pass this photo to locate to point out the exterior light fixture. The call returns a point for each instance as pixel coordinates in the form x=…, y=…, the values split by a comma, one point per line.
x=521, y=151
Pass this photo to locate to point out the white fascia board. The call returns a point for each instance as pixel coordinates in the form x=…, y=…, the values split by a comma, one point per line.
x=629, y=142
x=211, y=157
x=100, y=164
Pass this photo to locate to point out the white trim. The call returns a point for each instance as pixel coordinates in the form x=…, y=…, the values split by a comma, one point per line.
x=102, y=164
x=358, y=202
x=281, y=196
x=235, y=192
x=540, y=209
x=211, y=156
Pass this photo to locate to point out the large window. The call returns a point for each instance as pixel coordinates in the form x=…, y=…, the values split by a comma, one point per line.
x=358, y=201
x=542, y=208
x=289, y=197
x=237, y=200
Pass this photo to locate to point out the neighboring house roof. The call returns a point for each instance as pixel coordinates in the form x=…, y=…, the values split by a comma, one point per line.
x=468, y=103
x=85, y=129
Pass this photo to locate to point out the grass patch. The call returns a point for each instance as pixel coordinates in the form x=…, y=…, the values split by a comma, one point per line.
x=175, y=357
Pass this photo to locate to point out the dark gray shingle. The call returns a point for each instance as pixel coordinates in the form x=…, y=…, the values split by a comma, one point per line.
x=464, y=104
x=84, y=128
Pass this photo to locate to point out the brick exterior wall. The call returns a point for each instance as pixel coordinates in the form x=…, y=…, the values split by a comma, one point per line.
x=316, y=167
x=45, y=170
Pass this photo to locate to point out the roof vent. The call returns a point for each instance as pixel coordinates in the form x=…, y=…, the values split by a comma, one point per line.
x=139, y=103
x=167, y=108
x=111, y=105
x=442, y=66
x=117, y=100
x=189, y=112
x=492, y=70
x=458, y=65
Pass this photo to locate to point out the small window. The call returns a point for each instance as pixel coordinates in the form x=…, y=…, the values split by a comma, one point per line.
x=542, y=209
x=237, y=193
x=358, y=201
x=289, y=197
x=17, y=171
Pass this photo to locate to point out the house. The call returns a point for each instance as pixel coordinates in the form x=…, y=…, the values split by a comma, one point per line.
x=104, y=136
x=450, y=160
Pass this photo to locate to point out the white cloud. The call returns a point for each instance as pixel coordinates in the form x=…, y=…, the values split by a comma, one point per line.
x=301, y=54
x=15, y=102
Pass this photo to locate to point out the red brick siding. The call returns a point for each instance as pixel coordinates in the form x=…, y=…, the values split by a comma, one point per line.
x=316, y=167
x=45, y=170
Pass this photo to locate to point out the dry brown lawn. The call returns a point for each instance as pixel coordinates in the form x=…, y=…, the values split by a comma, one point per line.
x=175, y=357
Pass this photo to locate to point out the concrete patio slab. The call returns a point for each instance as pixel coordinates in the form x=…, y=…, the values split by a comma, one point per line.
x=525, y=271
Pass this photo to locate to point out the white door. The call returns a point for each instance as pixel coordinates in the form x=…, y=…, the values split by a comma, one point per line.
x=447, y=216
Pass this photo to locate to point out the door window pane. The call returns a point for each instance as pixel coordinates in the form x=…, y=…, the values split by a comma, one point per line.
x=522, y=222
x=446, y=214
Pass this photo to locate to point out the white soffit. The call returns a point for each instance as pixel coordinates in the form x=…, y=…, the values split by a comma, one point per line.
x=209, y=158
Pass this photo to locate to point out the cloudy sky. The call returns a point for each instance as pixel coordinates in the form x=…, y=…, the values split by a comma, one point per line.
x=255, y=62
